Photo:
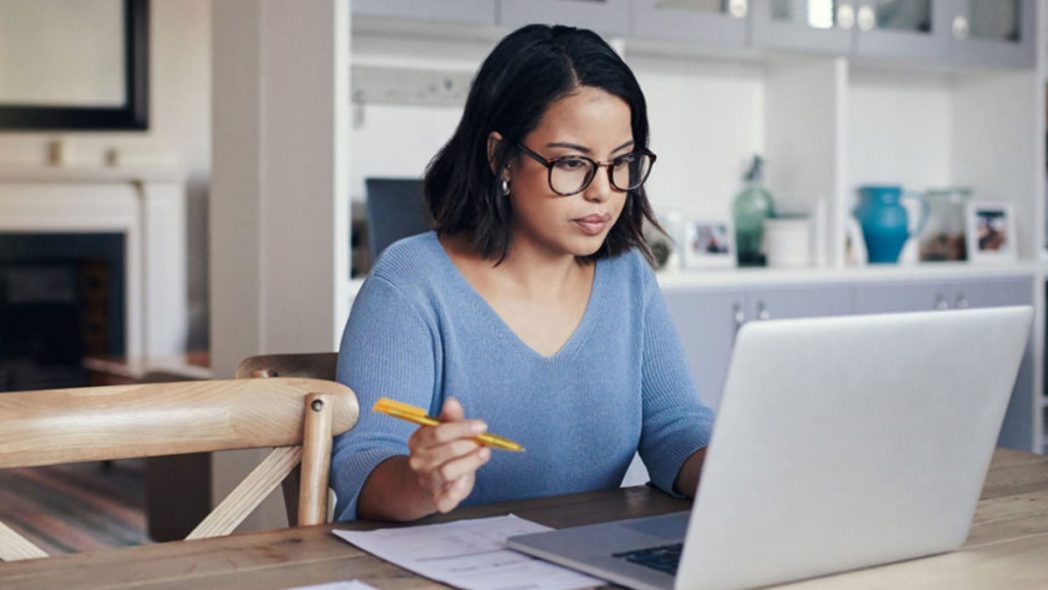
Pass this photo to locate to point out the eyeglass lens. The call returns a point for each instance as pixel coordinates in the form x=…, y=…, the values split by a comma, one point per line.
x=572, y=175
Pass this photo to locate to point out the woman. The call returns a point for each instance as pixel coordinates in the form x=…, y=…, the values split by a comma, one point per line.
x=531, y=306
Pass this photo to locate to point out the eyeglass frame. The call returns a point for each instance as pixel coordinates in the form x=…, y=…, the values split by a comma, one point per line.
x=550, y=163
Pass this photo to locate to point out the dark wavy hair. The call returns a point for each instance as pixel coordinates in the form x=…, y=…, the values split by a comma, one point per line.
x=526, y=72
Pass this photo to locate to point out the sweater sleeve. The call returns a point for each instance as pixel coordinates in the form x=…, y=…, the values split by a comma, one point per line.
x=387, y=350
x=675, y=423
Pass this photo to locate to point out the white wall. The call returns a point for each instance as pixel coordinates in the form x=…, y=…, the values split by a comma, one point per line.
x=396, y=140
x=399, y=140
x=899, y=129
x=180, y=130
x=706, y=122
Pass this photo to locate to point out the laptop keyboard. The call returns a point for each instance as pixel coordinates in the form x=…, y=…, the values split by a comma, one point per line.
x=664, y=558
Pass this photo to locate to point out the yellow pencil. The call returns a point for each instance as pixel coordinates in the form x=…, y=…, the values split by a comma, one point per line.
x=417, y=415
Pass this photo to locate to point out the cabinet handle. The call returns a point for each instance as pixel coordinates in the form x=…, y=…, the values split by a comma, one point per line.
x=762, y=312
x=845, y=16
x=867, y=18
x=940, y=302
x=738, y=316
x=962, y=301
x=960, y=27
x=738, y=8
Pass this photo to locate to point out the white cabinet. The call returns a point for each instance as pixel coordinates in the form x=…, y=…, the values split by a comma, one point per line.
x=706, y=22
x=608, y=17
x=995, y=33
x=912, y=29
x=475, y=12
x=1018, y=430
x=708, y=318
x=707, y=321
x=916, y=29
x=895, y=297
x=924, y=295
x=998, y=33
x=804, y=25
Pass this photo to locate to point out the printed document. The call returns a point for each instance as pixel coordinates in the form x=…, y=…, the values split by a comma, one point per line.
x=469, y=554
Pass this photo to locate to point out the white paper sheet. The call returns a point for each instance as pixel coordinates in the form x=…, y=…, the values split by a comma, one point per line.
x=469, y=554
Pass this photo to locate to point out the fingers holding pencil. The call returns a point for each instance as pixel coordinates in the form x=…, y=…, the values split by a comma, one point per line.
x=417, y=415
x=445, y=457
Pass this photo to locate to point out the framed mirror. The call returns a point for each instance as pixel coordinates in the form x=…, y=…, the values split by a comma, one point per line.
x=74, y=65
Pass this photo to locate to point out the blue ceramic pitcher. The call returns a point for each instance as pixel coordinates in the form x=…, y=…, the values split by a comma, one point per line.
x=886, y=225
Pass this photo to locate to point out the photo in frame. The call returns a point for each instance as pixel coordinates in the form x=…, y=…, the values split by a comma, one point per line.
x=708, y=243
x=991, y=233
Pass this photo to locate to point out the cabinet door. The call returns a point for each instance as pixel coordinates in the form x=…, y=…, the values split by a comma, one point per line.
x=706, y=321
x=1017, y=431
x=1000, y=33
x=712, y=22
x=481, y=12
x=916, y=29
x=806, y=25
x=603, y=16
x=798, y=302
x=894, y=297
x=991, y=292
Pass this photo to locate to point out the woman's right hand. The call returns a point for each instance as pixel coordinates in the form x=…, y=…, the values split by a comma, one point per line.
x=445, y=458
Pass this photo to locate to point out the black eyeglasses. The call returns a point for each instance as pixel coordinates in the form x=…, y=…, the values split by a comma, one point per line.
x=570, y=175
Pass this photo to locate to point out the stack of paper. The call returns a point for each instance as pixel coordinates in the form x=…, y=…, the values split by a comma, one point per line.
x=469, y=554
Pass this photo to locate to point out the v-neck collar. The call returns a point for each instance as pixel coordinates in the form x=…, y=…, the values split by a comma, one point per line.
x=570, y=346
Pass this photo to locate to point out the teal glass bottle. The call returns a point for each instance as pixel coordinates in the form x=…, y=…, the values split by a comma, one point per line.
x=749, y=210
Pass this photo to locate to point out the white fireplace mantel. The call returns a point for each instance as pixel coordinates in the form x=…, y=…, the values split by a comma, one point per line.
x=146, y=205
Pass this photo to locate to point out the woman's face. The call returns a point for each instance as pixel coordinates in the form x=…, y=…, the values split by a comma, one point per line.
x=591, y=123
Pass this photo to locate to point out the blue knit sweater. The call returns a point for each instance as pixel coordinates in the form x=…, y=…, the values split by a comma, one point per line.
x=419, y=333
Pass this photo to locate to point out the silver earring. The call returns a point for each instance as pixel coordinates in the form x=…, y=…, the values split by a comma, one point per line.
x=505, y=187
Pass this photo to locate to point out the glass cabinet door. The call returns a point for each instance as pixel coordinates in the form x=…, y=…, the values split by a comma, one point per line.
x=479, y=12
x=995, y=21
x=808, y=25
x=999, y=33
x=607, y=17
x=819, y=14
x=911, y=16
x=715, y=22
x=903, y=28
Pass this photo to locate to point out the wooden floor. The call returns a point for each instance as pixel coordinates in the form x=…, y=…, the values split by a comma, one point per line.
x=76, y=508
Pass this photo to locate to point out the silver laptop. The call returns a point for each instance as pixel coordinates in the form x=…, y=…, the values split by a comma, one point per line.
x=840, y=443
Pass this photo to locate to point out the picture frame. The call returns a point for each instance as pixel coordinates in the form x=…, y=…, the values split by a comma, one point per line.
x=990, y=232
x=708, y=243
x=132, y=114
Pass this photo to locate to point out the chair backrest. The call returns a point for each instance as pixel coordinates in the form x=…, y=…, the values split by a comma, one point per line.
x=297, y=416
x=309, y=365
x=312, y=365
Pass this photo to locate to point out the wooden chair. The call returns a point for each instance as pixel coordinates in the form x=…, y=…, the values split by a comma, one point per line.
x=298, y=417
x=310, y=365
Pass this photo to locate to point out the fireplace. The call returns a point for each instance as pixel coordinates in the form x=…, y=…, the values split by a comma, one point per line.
x=61, y=298
x=92, y=262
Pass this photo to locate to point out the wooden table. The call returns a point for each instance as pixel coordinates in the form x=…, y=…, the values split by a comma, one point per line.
x=1007, y=547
